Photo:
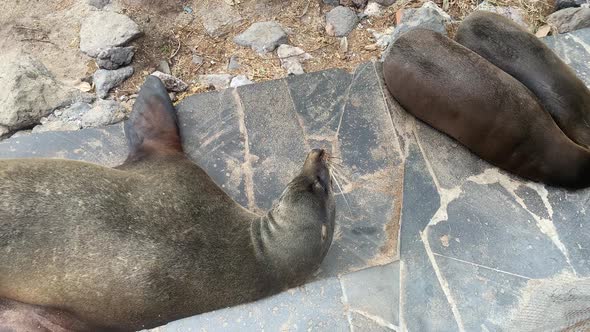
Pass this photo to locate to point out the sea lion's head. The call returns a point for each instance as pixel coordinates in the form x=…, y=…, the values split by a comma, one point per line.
x=297, y=232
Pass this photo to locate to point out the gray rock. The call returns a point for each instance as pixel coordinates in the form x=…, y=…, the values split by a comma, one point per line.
x=218, y=81
x=198, y=60
x=354, y=3
x=218, y=17
x=234, y=63
x=4, y=131
x=172, y=83
x=262, y=37
x=164, y=67
x=103, y=112
x=98, y=3
x=382, y=39
x=115, y=57
x=105, y=80
x=514, y=13
x=332, y=2
x=291, y=58
x=569, y=19
x=385, y=3
x=102, y=30
x=57, y=125
x=340, y=21
x=239, y=81
x=429, y=16
x=29, y=91
x=373, y=9
x=561, y=4
x=75, y=111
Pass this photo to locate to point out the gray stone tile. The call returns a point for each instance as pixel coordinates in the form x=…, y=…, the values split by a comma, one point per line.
x=210, y=127
x=573, y=48
x=424, y=306
x=486, y=226
x=532, y=200
x=314, y=307
x=374, y=293
x=571, y=217
x=275, y=138
x=484, y=297
x=363, y=323
x=105, y=146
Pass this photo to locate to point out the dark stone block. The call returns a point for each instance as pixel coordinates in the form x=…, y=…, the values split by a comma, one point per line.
x=571, y=217
x=316, y=306
x=424, y=304
x=105, y=146
x=572, y=48
x=484, y=297
x=533, y=201
x=374, y=293
x=487, y=227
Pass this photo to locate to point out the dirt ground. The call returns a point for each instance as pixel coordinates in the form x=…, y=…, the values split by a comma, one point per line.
x=49, y=29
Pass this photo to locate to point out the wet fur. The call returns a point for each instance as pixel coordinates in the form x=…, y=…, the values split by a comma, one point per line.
x=522, y=55
x=155, y=239
x=463, y=95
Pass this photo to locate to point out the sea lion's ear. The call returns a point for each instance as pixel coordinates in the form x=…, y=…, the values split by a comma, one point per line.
x=152, y=128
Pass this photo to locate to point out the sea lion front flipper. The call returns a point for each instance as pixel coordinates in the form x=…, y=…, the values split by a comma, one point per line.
x=152, y=128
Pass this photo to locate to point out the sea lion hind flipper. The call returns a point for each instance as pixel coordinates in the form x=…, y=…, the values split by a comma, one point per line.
x=152, y=127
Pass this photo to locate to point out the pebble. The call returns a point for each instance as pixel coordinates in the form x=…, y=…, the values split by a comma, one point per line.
x=239, y=81
x=234, y=63
x=291, y=58
x=332, y=2
x=514, y=13
x=569, y=19
x=385, y=3
x=115, y=57
x=171, y=83
x=103, y=112
x=218, y=17
x=98, y=3
x=105, y=80
x=102, y=30
x=354, y=3
x=340, y=21
x=197, y=60
x=262, y=37
x=164, y=67
x=374, y=9
x=382, y=39
x=3, y=131
x=218, y=81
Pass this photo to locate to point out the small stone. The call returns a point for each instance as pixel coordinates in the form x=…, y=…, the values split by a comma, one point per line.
x=343, y=47
x=543, y=31
x=115, y=57
x=569, y=19
x=171, y=83
x=164, y=67
x=262, y=37
x=354, y=3
x=340, y=21
x=98, y=3
x=84, y=86
x=102, y=30
x=234, y=63
x=218, y=17
x=218, y=81
x=57, y=125
x=239, y=81
x=371, y=47
x=514, y=13
x=103, y=112
x=374, y=9
x=291, y=58
x=3, y=131
x=332, y=2
x=385, y=3
x=197, y=59
x=105, y=80
x=75, y=111
x=382, y=39
x=562, y=4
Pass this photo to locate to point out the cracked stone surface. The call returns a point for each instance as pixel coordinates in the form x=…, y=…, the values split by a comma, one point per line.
x=478, y=250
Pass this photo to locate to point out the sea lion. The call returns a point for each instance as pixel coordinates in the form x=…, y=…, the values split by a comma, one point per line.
x=152, y=240
x=522, y=55
x=463, y=95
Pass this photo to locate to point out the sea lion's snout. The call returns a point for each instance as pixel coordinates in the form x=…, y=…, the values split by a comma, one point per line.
x=316, y=168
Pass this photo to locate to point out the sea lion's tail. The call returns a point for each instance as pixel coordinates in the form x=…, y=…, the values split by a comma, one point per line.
x=152, y=128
